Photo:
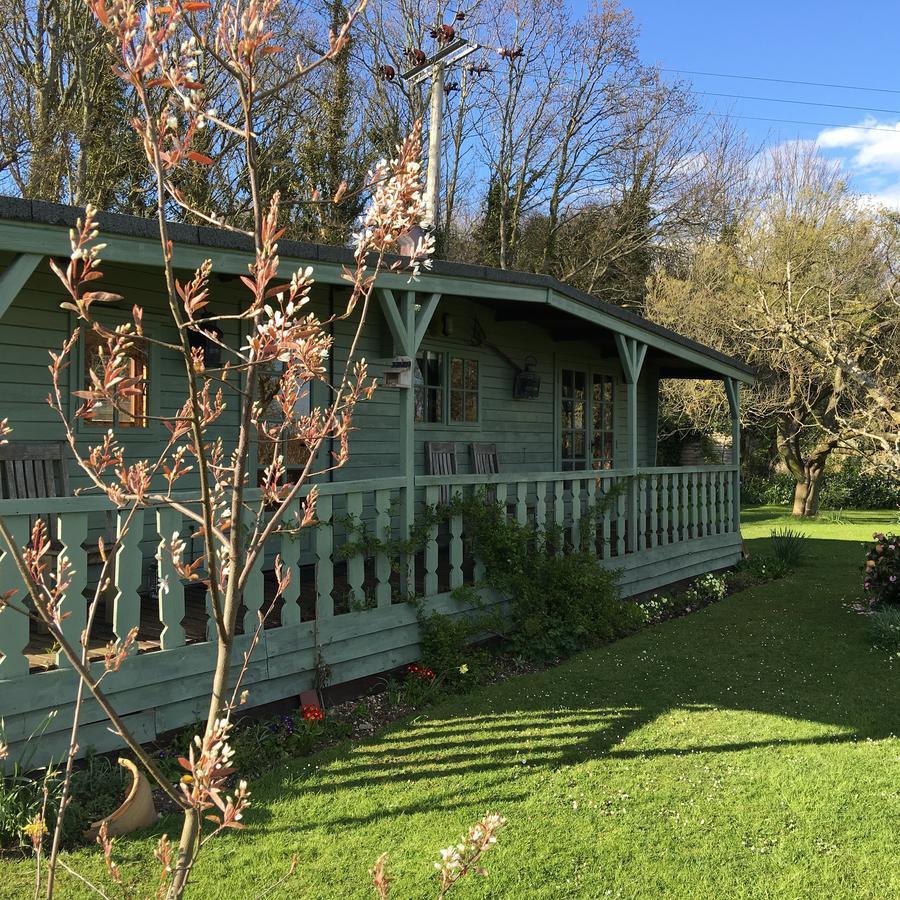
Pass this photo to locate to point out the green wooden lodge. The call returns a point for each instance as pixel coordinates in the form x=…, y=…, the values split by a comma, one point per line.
x=516, y=382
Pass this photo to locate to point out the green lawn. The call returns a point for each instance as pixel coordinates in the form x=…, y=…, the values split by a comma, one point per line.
x=744, y=751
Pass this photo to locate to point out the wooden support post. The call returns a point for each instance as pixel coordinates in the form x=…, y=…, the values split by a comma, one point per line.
x=13, y=279
x=407, y=330
x=631, y=355
x=733, y=390
x=408, y=449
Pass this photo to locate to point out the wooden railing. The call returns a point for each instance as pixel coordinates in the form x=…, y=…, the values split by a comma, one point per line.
x=674, y=505
x=344, y=612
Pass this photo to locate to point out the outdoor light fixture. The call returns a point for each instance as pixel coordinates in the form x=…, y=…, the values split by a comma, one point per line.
x=447, y=325
x=527, y=383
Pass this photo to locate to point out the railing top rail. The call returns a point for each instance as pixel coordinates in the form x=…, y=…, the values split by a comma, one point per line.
x=512, y=477
x=99, y=503
x=551, y=477
x=668, y=470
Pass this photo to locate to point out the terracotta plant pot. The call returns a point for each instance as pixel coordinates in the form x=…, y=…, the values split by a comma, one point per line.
x=137, y=811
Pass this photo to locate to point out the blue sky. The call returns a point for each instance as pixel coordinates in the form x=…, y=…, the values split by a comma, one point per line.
x=836, y=43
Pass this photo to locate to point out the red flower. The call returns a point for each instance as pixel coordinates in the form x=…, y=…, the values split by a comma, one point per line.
x=313, y=713
x=419, y=672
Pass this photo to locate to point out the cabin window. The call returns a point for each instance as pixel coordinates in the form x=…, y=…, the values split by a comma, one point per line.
x=587, y=404
x=131, y=411
x=463, y=390
x=294, y=450
x=602, y=443
x=574, y=420
x=429, y=386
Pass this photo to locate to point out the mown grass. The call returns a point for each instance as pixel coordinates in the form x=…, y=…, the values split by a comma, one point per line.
x=748, y=750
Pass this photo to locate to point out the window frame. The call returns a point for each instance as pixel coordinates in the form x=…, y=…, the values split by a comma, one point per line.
x=590, y=372
x=152, y=430
x=464, y=390
x=258, y=464
x=447, y=355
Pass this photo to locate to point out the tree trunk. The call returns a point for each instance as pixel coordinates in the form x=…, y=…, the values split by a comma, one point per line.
x=806, y=493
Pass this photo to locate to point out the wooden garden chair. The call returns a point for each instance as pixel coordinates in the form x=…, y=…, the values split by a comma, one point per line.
x=440, y=457
x=35, y=472
x=40, y=471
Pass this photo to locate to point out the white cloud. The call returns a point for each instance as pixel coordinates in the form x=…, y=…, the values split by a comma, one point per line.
x=875, y=148
x=870, y=155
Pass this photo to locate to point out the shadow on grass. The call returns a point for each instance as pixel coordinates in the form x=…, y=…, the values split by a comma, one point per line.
x=789, y=650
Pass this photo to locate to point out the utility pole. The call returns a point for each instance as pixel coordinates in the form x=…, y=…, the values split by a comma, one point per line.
x=433, y=67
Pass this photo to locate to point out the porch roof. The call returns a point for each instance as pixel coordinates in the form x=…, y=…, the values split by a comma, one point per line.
x=41, y=228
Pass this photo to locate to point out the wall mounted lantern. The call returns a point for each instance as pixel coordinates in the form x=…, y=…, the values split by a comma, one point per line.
x=527, y=383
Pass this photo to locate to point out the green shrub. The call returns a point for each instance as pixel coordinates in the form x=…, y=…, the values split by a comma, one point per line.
x=560, y=600
x=768, y=490
x=881, y=578
x=788, y=546
x=852, y=487
x=884, y=629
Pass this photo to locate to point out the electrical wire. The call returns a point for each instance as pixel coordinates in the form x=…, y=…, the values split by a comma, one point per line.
x=825, y=84
x=802, y=122
x=895, y=112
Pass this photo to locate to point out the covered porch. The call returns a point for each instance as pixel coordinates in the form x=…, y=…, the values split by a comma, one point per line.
x=451, y=356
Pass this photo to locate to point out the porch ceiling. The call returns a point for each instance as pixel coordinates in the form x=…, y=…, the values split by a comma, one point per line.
x=564, y=327
x=35, y=227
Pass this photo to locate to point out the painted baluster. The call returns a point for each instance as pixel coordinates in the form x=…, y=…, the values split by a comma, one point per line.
x=592, y=516
x=521, y=504
x=254, y=587
x=356, y=565
x=654, y=511
x=620, y=524
x=729, y=501
x=666, y=498
x=456, y=544
x=605, y=487
x=685, y=506
x=210, y=618
x=501, y=498
x=559, y=512
x=723, y=525
x=13, y=625
x=324, y=561
x=704, y=505
x=170, y=589
x=693, y=501
x=432, y=498
x=540, y=507
x=642, y=514
x=382, y=561
x=72, y=531
x=289, y=550
x=576, y=513
x=676, y=518
x=129, y=562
